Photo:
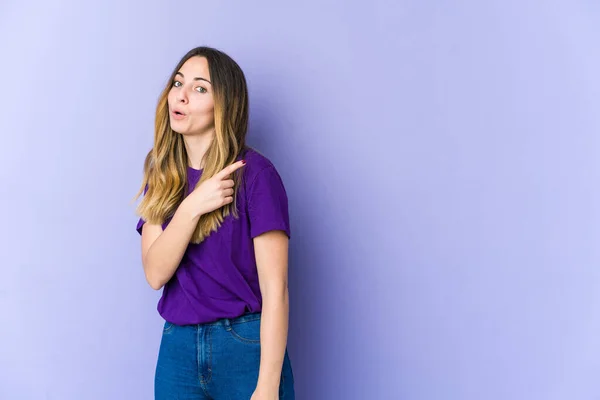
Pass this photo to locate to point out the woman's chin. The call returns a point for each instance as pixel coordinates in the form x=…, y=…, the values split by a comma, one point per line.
x=185, y=130
x=178, y=128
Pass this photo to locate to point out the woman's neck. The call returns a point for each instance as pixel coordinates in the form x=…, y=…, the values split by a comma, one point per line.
x=196, y=147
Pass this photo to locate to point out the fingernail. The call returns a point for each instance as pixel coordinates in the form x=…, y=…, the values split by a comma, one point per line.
x=243, y=161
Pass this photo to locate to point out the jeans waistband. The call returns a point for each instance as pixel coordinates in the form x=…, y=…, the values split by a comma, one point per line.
x=226, y=322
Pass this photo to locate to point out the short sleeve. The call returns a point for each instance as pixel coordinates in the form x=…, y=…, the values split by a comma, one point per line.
x=140, y=225
x=141, y=221
x=268, y=203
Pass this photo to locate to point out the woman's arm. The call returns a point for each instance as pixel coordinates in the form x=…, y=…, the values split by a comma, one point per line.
x=162, y=251
x=271, y=251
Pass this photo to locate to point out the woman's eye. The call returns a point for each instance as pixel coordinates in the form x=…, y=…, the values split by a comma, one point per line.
x=201, y=89
x=176, y=83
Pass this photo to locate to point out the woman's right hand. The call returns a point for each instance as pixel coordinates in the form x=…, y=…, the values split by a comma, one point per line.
x=214, y=192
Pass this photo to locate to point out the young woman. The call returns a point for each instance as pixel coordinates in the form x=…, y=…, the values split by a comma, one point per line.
x=214, y=231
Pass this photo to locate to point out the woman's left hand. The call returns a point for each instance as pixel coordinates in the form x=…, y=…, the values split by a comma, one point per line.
x=261, y=394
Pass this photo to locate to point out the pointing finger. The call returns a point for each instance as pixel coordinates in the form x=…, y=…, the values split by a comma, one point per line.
x=232, y=168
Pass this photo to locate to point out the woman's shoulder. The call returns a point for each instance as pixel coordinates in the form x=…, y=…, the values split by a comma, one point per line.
x=259, y=169
x=256, y=162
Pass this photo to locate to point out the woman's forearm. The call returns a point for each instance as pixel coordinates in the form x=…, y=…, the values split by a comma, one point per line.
x=164, y=255
x=273, y=338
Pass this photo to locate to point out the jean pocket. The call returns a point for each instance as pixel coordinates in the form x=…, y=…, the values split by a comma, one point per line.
x=246, y=332
x=168, y=327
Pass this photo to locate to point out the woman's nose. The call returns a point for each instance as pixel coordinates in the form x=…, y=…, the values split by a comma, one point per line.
x=181, y=96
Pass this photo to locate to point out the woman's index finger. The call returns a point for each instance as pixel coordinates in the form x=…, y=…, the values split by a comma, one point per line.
x=230, y=169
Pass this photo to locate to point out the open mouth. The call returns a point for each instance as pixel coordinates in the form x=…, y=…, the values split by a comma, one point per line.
x=177, y=114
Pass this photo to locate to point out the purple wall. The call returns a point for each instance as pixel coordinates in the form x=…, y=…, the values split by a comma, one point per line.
x=443, y=172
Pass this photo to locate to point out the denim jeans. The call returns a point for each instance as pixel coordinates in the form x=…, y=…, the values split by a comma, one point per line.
x=216, y=361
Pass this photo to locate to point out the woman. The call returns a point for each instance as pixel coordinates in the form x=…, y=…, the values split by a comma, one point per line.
x=214, y=229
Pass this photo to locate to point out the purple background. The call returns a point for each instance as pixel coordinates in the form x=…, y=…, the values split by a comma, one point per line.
x=441, y=160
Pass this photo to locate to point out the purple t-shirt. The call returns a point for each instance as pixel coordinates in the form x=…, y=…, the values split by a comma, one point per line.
x=217, y=278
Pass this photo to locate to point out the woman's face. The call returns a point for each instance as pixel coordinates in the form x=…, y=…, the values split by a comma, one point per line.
x=191, y=105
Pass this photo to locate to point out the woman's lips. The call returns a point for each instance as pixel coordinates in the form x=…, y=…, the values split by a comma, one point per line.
x=175, y=114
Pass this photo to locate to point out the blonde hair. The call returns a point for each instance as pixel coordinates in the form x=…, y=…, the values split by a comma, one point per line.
x=165, y=167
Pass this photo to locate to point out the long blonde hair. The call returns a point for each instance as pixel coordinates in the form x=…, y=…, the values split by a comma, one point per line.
x=165, y=166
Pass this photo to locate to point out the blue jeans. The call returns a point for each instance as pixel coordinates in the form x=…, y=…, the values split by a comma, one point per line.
x=216, y=361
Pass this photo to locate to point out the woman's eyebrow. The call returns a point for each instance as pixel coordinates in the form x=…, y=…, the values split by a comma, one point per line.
x=196, y=78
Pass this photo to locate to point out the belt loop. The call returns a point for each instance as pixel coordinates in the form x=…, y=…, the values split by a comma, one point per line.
x=227, y=323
